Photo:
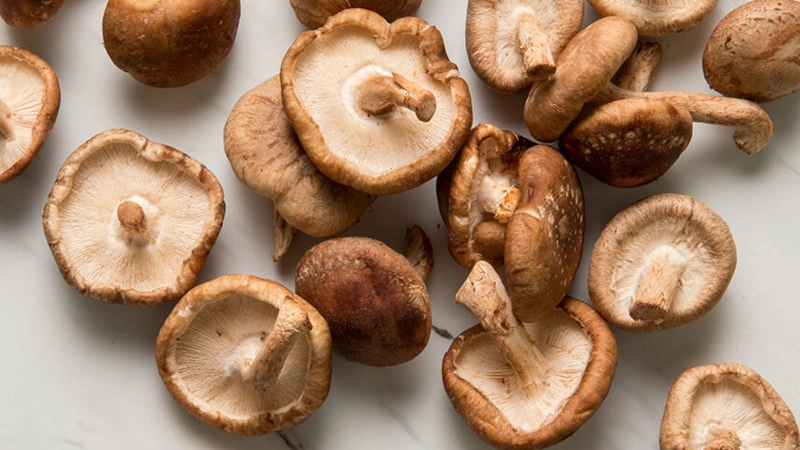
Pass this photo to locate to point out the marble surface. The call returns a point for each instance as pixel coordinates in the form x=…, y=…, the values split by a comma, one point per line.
x=77, y=373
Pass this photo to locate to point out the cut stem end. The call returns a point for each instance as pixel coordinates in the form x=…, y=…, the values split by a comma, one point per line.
x=382, y=94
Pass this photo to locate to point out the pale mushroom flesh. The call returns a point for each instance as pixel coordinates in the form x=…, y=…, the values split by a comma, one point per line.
x=658, y=17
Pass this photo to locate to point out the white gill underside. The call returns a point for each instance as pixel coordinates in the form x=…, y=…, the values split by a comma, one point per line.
x=21, y=89
x=634, y=254
x=327, y=73
x=564, y=345
x=729, y=405
x=175, y=205
x=221, y=340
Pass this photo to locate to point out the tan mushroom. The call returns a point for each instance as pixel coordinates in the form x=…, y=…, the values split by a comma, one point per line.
x=752, y=52
x=513, y=43
x=544, y=237
x=640, y=68
x=374, y=299
x=29, y=101
x=28, y=13
x=266, y=156
x=314, y=13
x=661, y=263
x=478, y=192
x=246, y=355
x=132, y=221
x=377, y=106
x=657, y=17
x=726, y=407
x=526, y=385
x=169, y=43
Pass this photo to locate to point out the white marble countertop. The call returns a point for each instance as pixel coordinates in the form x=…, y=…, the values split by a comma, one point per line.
x=77, y=373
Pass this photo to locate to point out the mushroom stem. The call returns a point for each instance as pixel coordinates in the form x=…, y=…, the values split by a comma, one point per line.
x=537, y=57
x=658, y=281
x=291, y=324
x=381, y=94
x=639, y=70
x=6, y=123
x=484, y=295
x=725, y=440
x=131, y=217
x=283, y=235
x=419, y=251
x=499, y=199
x=753, y=125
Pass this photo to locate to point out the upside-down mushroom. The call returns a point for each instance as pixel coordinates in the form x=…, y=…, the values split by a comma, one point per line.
x=132, y=221
x=377, y=106
x=726, y=407
x=246, y=355
x=526, y=385
x=30, y=97
x=661, y=263
x=314, y=13
x=657, y=17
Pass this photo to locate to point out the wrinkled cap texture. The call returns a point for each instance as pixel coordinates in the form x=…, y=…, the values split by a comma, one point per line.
x=581, y=357
x=680, y=232
x=266, y=156
x=498, y=32
x=28, y=13
x=657, y=17
x=722, y=403
x=215, y=330
x=30, y=97
x=325, y=77
x=314, y=13
x=478, y=192
x=752, y=52
x=181, y=207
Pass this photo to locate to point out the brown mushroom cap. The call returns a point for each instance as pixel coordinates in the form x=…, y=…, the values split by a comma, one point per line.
x=577, y=361
x=314, y=13
x=373, y=299
x=544, y=237
x=30, y=97
x=478, y=192
x=266, y=157
x=628, y=143
x=224, y=330
x=172, y=43
x=726, y=406
x=661, y=263
x=377, y=106
x=511, y=43
x=657, y=17
x=132, y=221
x=752, y=52
x=28, y=13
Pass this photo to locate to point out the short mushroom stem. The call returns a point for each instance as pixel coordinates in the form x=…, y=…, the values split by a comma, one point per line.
x=499, y=199
x=639, y=70
x=484, y=295
x=537, y=56
x=658, y=282
x=283, y=235
x=725, y=440
x=6, y=122
x=419, y=251
x=381, y=94
x=753, y=126
x=131, y=217
x=291, y=324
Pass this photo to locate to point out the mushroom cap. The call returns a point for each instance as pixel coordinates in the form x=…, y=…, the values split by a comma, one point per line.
x=323, y=73
x=215, y=329
x=582, y=357
x=492, y=43
x=752, y=53
x=707, y=400
x=657, y=17
x=583, y=69
x=544, y=238
x=314, y=13
x=372, y=298
x=629, y=142
x=182, y=202
x=28, y=13
x=30, y=97
x=266, y=156
x=485, y=167
x=169, y=44
x=684, y=228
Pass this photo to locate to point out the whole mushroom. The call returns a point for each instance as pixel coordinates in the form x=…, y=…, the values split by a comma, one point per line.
x=314, y=13
x=657, y=18
x=28, y=13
